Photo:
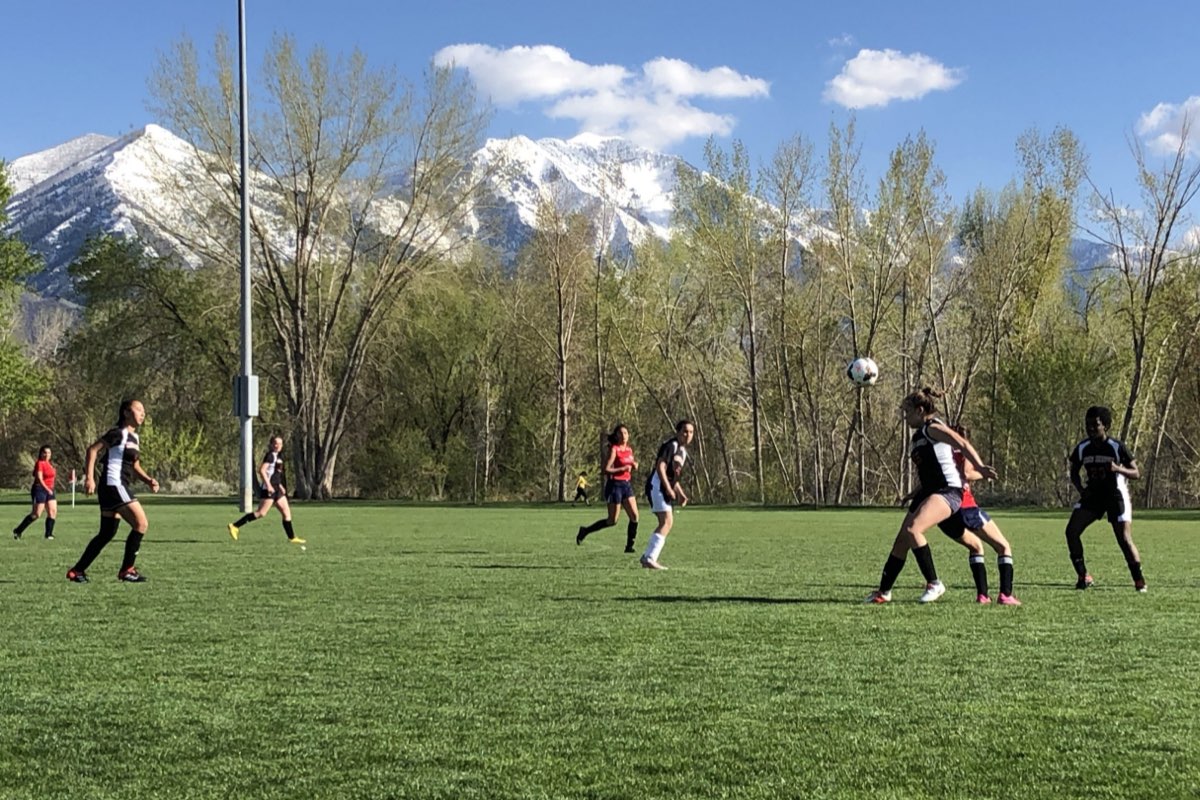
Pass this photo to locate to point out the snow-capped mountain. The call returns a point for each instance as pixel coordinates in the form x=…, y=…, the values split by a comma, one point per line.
x=97, y=184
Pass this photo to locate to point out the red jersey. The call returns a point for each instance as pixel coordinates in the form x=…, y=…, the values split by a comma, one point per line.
x=968, y=499
x=46, y=470
x=622, y=457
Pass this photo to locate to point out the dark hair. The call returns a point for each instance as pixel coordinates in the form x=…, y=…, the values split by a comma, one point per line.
x=1102, y=413
x=680, y=425
x=126, y=408
x=274, y=437
x=43, y=449
x=924, y=399
x=615, y=436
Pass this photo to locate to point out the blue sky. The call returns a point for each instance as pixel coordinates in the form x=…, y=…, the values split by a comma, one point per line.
x=973, y=76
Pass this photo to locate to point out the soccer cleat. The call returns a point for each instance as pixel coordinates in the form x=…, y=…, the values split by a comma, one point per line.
x=16, y=534
x=629, y=548
x=49, y=537
x=1085, y=582
x=77, y=576
x=297, y=540
x=1140, y=586
x=983, y=599
x=1007, y=600
x=878, y=598
x=650, y=563
x=131, y=575
x=579, y=537
x=233, y=531
x=932, y=592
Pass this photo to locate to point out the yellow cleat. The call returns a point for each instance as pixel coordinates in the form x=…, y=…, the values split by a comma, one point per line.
x=233, y=531
x=297, y=540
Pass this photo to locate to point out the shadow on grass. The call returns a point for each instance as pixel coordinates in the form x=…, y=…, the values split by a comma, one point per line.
x=767, y=601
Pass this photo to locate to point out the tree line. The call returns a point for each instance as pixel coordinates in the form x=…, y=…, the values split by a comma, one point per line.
x=404, y=358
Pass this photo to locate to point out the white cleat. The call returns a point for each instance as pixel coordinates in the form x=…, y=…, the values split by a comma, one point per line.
x=650, y=563
x=932, y=592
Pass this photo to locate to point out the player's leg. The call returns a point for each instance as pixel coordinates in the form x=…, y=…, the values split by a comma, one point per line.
x=281, y=502
x=1081, y=517
x=934, y=509
x=51, y=517
x=631, y=509
x=136, y=517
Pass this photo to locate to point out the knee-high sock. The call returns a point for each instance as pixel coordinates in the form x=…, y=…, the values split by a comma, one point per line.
x=25, y=523
x=891, y=571
x=1075, y=550
x=133, y=543
x=1135, y=566
x=108, y=529
x=287, y=528
x=50, y=526
x=246, y=519
x=924, y=557
x=979, y=573
x=598, y=525
x=1005, y=565
x=631, y=533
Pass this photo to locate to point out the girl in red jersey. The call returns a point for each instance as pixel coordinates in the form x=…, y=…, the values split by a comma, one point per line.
x=42, y=494
x=619, y=465
x=272, y=491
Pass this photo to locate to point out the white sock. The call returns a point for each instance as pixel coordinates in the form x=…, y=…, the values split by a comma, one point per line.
x=654, y=546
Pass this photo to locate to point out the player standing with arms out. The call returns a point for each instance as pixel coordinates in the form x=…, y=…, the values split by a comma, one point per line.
x=272, y=490
x=1110, y=467
x=122, y=461
x=939, y=498
x=664, y=490
x=42, y=494
x=618, y=469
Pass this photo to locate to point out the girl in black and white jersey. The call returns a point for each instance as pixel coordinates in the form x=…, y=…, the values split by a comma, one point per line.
x=664, y=490
x=932, y=453
x=272, y=491
x=122, y=462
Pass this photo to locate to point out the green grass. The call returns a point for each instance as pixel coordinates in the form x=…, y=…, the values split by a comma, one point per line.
x=418, y=652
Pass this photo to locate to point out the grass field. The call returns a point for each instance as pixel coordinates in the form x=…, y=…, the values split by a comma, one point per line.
x=417, y=652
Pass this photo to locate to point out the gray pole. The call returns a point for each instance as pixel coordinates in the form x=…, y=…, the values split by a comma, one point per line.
x=245, y=397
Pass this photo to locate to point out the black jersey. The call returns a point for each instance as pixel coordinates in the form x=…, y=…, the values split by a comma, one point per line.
x=674, y=455
x=1094, y=458
x=934, y=460
x=122, y=452
x=275, y=468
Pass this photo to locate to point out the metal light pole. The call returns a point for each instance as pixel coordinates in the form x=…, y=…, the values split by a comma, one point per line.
x=245, y=385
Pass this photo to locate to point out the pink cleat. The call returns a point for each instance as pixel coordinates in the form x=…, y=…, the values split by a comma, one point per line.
x=983, y=599
x=1008, y=600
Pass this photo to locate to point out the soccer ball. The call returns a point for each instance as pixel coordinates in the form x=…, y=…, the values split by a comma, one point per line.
x=863, y=371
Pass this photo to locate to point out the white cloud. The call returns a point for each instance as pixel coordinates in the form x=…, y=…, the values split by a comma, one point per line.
x=654, y=108
x=1162, y=128
x=845, y=40
x=877, y=77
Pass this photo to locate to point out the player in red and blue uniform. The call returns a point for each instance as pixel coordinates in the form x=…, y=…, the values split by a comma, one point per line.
x=122, y=462
x=939, y=498
x=272, y=491
x=1109, y=466
x=42, y=494
x=618, y=468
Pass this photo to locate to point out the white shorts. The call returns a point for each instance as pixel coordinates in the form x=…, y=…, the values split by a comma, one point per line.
x=659, y=503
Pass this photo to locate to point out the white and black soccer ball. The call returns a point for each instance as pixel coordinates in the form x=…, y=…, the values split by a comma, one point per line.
x=863, y=371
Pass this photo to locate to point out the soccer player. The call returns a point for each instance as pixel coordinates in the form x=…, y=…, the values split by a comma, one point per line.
x=122, y=461
x=619, y=465
x=581, y=485
x=972, y=519
x=1109, y=466
x=42, y=494
x=939, y=497
x=272, y=491
x=664, y=490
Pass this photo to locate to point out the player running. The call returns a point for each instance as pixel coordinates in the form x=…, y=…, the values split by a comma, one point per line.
x=272, y=491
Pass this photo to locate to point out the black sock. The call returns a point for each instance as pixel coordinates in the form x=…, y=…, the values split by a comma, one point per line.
x=25, y=523
x=1080, y=567
x=631, y=533
x=1005, y=565
x=597, y=525
x=50, y=526
x=924, y=557
x=1135, y=570
x=133, y=543
x=245, y=520
x=891, y=571
x=287, y=528
x=108, y=529
x=979, y=573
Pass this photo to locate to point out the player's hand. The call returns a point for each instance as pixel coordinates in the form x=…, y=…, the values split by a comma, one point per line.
x=89, y=486
x=989, y=472
x=153, y=485
x=683, y=501
x=1114, y=466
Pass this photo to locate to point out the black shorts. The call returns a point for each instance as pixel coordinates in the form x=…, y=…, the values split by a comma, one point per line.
x=950, y=494
x=965, y=519
x=1116, y=507
x=617, y=492
x=114, y=497
x=40, y=495
x=272, y=492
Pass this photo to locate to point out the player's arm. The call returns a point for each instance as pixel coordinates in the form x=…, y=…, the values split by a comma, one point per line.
x=89, y=471
x=263, y=477
x=664, y=480
x=1129, y=470
x=970, y=473
x=610, y=464
x=41, y=478
x=1076, y=467
x=939, y=432
x=145, y=476
x=683, y=498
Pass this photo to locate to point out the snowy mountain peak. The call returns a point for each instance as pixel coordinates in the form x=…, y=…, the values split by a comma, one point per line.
x=32, y=169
